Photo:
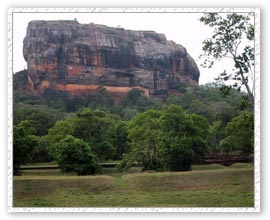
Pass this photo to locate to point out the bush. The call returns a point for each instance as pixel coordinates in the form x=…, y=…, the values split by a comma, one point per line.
x=75, y=155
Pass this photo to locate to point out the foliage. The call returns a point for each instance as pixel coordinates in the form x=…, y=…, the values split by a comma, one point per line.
x=154, y=133
x=183, y=138
x=229, y=34
x=28, y=98
x=136, y=99
x=177, y=154
x=216, y=134
x=239, y=134
x=170, y=139
x=129, y=113
x=42, y=150
x=121, y=141
x=58, y=132
x=143, y=133
x=41, y=116
x=97, y=129
x=101, y=99
x=235, y=135
x=75, y=155
x=76, y=103
x=24, y=141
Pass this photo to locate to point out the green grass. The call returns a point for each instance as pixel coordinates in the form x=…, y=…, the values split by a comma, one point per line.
x=208, y=186
x=208, y=167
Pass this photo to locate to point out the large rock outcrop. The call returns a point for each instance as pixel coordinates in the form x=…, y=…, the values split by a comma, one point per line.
x=78, y=58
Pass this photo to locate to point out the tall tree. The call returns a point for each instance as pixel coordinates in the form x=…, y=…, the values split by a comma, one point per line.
x=182, y=138
x=97, y=129
x=233, y=37
x=143, y=133
x=24, y=141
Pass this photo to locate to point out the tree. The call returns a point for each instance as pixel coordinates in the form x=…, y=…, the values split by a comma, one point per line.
x=143, y=134
x=41, y=152
x=177, y=154
x=42, y=120
x=239, y=134
x=129, y=113
x=24, y=141
x=98, y=129
x=230, y=32
x=102, y=99
x=216, y=134
x=170, y=139
x=121, y=141
x=75, y=103
x=201, y=125
x=75, y=155
x=176, y=122
x=136, y=99
x=224, y=112
x=58, y=132
x=41, y=116
x=182, y=138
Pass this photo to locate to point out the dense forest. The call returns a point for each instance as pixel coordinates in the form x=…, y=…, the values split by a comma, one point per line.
x=168, y=133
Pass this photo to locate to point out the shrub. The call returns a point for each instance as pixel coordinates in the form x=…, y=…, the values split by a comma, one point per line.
x=75, y=155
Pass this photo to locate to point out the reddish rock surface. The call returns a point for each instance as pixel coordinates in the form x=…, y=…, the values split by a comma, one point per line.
x=78, y=58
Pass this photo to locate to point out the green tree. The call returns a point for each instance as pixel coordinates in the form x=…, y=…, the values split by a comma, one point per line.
x=73, y=104
x=177, y=153
x=239, y=134
x=170, y=139
x=58, y=132
x=183, y=138
x=216, y=134
x=102, y=99
x=42, y=150
x=230, y=32
x=75, y=155
x=143, y=133
x=136, y=99
x=24, y=141
x=224, y=112
x=121, y=141
x=176, y=122
x=41, y=116
x=129, y=113
x=42, y=121
x=98, y=129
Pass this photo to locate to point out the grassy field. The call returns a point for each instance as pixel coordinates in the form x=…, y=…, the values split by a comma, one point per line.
x=205, y=186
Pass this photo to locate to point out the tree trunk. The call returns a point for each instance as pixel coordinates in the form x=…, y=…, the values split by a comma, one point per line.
x=250, y=95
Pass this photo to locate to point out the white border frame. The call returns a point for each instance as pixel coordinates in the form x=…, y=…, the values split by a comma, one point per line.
x=256, y=11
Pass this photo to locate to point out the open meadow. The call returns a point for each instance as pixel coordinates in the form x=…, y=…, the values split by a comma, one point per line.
x=205, y=186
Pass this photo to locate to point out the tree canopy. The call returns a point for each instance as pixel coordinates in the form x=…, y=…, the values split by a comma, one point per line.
x=75, y=155
x=170, y=139
x=233, y=38
x=168, y=133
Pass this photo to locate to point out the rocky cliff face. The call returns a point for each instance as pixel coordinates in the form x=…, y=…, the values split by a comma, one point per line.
x=78, y=58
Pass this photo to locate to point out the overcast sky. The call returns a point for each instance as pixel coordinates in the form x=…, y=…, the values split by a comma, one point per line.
x=182, y=28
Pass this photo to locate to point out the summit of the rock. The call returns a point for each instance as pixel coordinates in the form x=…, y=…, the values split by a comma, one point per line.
x=78, y=58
